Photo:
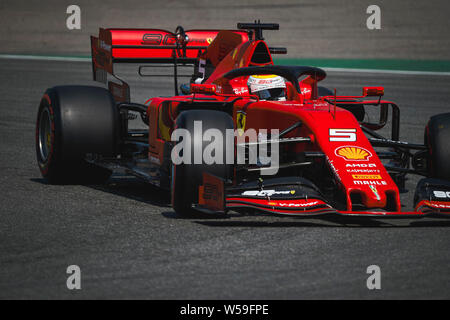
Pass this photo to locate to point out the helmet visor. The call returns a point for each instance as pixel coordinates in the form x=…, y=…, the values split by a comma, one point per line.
x=271, y=94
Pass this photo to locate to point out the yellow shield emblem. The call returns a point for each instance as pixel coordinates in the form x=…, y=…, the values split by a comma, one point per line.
x=240, y=122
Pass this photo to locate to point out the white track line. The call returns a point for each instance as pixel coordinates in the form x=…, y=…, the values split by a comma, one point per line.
x=43, y=58
x=88, y=59
x=405, y=72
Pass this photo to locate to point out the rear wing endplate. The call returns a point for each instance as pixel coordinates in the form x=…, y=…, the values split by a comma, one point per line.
x=150, y=46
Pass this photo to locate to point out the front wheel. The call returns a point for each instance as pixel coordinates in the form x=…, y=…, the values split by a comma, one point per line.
x=187, y=177
x=71, y=122
x=437, y=139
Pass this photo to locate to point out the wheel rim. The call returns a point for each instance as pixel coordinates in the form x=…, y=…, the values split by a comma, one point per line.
x=45, y=134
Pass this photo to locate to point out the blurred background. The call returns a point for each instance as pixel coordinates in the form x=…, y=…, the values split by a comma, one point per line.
x=412, y=30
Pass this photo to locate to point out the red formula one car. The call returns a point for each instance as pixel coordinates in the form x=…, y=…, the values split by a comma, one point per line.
x=244, y=134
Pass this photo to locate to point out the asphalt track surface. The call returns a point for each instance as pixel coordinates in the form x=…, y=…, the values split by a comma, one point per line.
x=129, y=243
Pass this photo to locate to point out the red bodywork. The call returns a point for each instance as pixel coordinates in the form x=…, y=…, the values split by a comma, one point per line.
x=332, y=130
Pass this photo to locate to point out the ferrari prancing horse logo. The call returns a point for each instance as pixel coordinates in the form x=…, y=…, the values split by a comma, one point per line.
x=240, y=122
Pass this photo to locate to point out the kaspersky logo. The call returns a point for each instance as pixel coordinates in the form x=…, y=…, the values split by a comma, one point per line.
x=353, y=153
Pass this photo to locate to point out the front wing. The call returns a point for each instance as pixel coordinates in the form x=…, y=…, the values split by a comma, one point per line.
x=296, y=197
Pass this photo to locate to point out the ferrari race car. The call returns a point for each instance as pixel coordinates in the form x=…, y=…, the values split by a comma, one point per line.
x=243, y=134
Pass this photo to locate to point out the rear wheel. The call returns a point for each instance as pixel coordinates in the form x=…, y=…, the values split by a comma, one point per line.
x=186, y=178
x=437, y=139
x=73, y=121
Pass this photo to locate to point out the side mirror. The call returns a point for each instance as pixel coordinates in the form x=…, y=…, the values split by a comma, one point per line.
x=203, y=88
x=379, y=123
x=373, y=91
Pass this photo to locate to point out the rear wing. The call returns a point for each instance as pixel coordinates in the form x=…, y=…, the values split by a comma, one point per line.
x=150, y=46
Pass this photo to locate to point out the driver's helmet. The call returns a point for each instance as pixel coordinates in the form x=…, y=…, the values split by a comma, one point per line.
x=267, y=87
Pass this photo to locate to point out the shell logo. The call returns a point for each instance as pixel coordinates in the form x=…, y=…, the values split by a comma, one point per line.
x=352, y=153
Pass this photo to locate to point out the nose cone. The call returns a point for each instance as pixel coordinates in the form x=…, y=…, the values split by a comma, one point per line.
x=370, y=197
x=374, y=198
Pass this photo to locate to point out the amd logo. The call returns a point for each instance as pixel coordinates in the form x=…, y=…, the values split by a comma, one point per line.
x=442, y=194
x=360, y=165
